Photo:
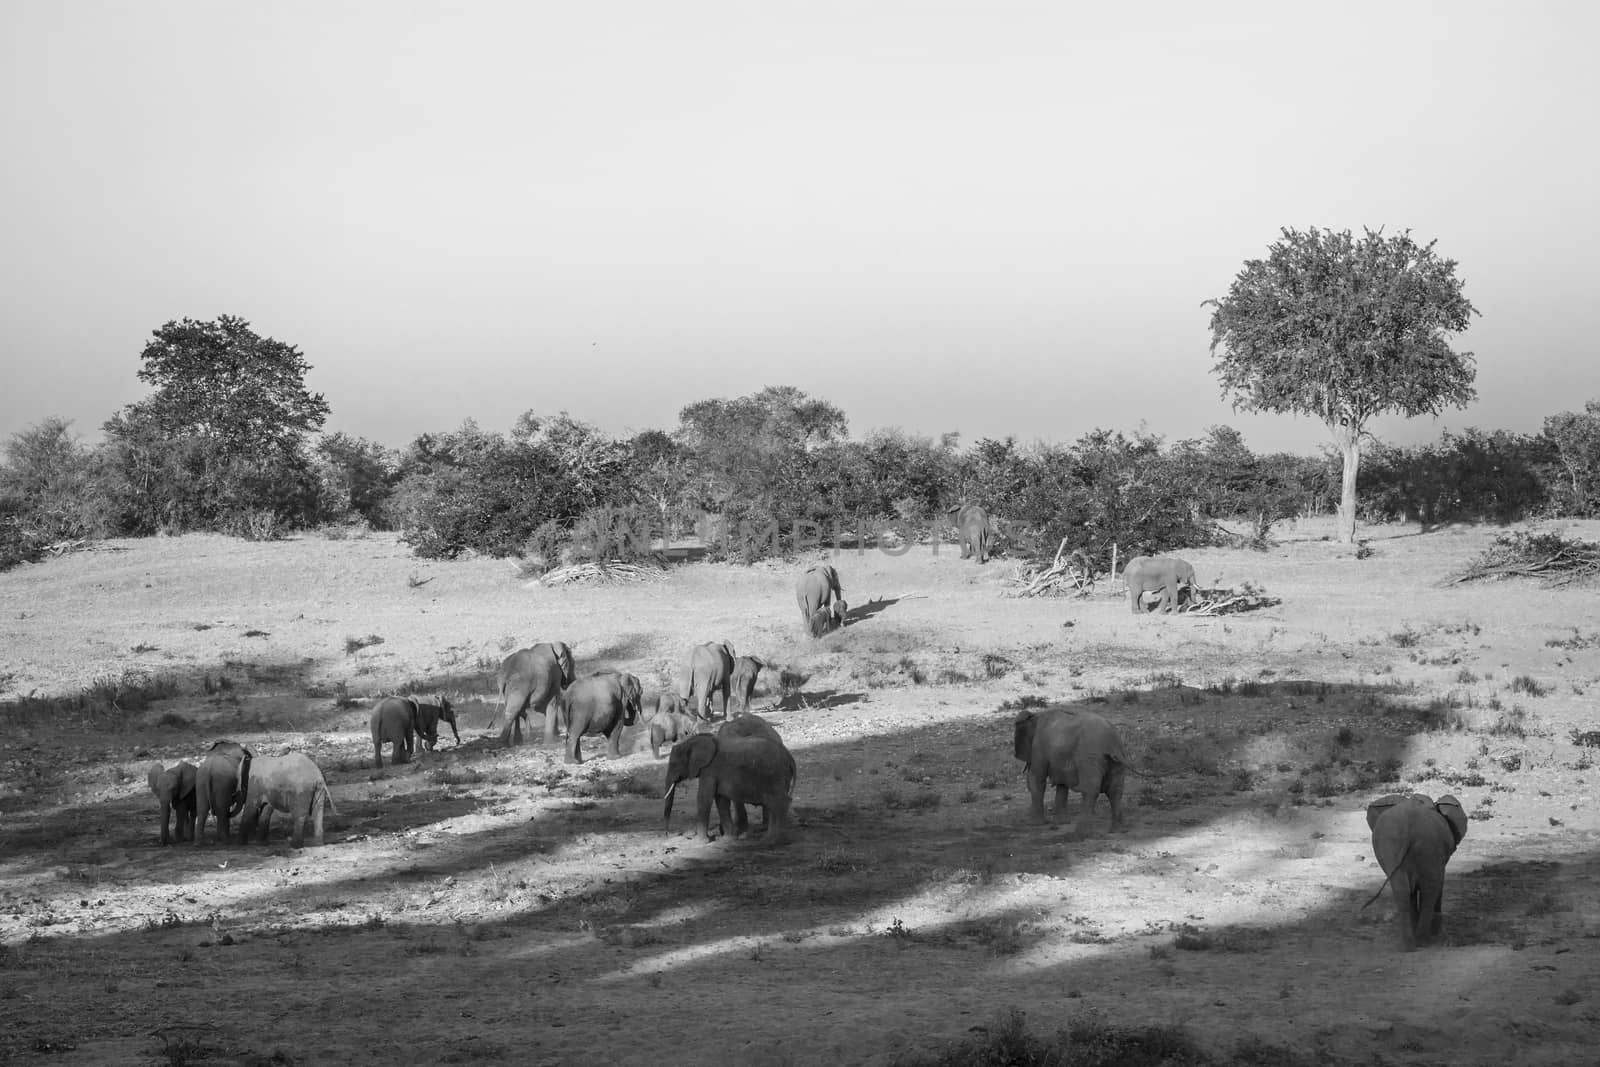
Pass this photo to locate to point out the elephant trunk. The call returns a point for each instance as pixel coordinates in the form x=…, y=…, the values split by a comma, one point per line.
x=241, y=786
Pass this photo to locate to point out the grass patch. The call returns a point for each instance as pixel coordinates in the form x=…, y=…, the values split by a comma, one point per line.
x=352, y=645
x=1407, y=638
x=924, y=800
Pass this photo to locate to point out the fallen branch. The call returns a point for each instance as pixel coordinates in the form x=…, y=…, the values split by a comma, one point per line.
x=613, y=571
x=1548, y=556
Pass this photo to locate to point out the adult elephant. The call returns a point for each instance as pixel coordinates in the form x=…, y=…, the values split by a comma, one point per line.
x=753, y=726
x=292, y=784
x=220, y=783
x=174, y=787
x=1165, y=574
x=1074, y=750
x=706, y=679
x=742, y=685
x=974, y=530
x=821, y=599
x=732, y=770
x=529, y=680
x=601, y=703
x=1413, y=838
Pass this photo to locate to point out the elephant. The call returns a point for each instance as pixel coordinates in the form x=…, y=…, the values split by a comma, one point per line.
x=1075, y=750
x=752, y=726
x=532, y=678
x=706, y=678
x=1413, y=838
x=293, y=785
x=743, y=684
x=1169, y=574
x=821, y=600
x=732, y=770
x=394, y=719
x=975, y=531
x=429, y=716
x=220, y=783
x=174, y=787
x=601, y=703
x=669, y=722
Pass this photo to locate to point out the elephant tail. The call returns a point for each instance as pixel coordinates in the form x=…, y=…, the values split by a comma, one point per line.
x=326, y=797
x=1386, y=878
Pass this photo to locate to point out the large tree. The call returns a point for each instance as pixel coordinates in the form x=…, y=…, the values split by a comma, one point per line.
x=219, y=380
x=1343, y=329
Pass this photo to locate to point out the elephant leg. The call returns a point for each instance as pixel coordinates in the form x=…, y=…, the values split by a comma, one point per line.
x=724, y=819
x=1402, y=891
x=377, y=753
x=297, y=826
x=1116, y=778
x=1036, y=795
x=165, y=811
x=702, y=803
x=1134, y=593
x=719, y=703
x=1063, y=795
x=574, y=747
x=551, y=732
x=614, y=741
x=775, y=809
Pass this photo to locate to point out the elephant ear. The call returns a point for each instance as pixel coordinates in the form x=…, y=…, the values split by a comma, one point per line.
x=156, y=771
x=446, y=712
x=1026, y=723
x=1455, y=815
x=1376, y=809
x=702, y=750
x=564, y=660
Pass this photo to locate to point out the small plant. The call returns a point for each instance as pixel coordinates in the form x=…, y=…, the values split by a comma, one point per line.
x=1585, y=738
x=1465, y=676
x=1526, y=683
x=1407, y=638
x=1244, y=780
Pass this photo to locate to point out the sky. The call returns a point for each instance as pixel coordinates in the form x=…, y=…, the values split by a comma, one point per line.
x=994, y=218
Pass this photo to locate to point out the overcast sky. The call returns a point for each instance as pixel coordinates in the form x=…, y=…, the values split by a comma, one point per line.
x=987, y=217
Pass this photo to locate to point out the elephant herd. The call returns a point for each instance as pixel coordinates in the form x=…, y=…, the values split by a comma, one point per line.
x=743, y=761
x=230, y=782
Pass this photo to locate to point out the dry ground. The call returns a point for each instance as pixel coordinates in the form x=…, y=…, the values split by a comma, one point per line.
x=490, y=906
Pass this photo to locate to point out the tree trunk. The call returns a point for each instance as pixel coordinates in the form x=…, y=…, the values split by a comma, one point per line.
x=1348, y=438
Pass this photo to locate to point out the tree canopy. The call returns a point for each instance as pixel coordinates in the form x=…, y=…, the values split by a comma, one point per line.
x=1344, y=329
x=221, y=381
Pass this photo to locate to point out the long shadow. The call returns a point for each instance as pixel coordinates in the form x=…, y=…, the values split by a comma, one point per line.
x=872, y=608
x=693, y=912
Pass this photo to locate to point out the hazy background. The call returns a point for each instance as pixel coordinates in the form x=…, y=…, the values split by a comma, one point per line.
x=993, y=218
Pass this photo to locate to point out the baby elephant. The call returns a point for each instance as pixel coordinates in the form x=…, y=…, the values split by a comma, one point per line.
x=669, y=723
x=1075, y=750
x=291, y=784
x=174, y=787
x=402, y=720
x=1167, y=575
x=1413, y=838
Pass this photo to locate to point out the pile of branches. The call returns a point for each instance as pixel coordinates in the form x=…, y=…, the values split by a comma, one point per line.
x=607, y=572
x=1534, y=555
x=1228, y=601
x=1070, y=574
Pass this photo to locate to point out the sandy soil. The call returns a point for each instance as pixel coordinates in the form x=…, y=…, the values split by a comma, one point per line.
x=482, y=905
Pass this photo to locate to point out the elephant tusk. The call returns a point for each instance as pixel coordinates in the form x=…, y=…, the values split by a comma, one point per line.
x=668, y=794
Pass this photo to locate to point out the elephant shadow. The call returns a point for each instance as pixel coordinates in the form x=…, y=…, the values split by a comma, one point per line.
x=862, y=612
x=798, y=700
